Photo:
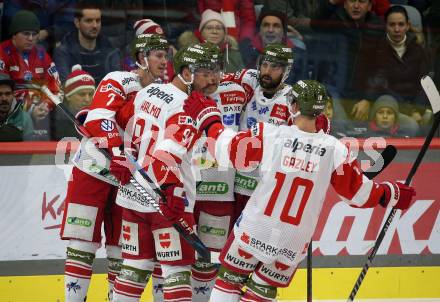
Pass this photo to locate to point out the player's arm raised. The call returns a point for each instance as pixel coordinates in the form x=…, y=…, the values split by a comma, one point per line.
x=243, y=150
x=359, y=191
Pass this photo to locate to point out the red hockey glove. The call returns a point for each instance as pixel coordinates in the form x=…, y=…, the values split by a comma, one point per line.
x=322, y=123
x=81, y=116
x=119, y=166
x=397, y=195
x=203, y=110
x=174, y=206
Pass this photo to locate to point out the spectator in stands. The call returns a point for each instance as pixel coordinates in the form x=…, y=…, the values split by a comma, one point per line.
x=300, y=12
x=148, y=26
x=40, y=108
x=399, y=65
x=15, y=124
x=272, y=28
x=22, y=59
x=433, y=26
x=386, y=119
x=212, y=29
x=78, y=91
x=56, y=19
x=86, y=46
x=238, y=12
x=360, y=30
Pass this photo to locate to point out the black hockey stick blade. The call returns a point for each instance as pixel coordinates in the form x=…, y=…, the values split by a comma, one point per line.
x=434, y=98
x=385, y=158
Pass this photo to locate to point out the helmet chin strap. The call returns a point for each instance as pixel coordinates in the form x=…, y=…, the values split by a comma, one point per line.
x=146, y=68
x=293, y=115
x=285, y=75
x=188, y=84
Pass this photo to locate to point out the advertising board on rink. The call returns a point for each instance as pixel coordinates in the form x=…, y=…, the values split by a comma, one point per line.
x=33, y=196
x=344, y=230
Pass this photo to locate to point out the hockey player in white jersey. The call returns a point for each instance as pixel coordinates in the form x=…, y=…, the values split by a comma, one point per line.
x=163, y=136
x=214, y=210
x=271, y=237
x=90, y=196
x=266, y=102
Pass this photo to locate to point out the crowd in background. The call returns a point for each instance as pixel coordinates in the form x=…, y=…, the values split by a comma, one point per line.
x=370, y=54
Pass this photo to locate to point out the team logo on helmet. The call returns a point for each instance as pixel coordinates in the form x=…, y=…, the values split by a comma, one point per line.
x=311, y=97
x=147, y=42
x=277, y=53
x=194, y=57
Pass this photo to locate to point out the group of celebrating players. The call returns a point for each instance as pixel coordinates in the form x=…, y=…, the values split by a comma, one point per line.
x=243, y=158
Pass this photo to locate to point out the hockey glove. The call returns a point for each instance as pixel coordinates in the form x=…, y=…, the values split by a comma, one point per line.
x=203, y=110
x=397, y=195
x=119, y=166
x=81, y=116
x=174, y=206
x=322, y=123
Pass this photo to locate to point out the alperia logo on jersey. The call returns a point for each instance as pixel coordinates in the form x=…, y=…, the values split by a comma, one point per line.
x=308, y=148
x=167, y=98
x=79, y=221
x=212, y=231
x=214, y=188
x=245, y=182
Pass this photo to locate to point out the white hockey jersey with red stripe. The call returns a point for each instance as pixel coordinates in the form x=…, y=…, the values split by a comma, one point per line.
x=163, y=136
x=218, y=184
x=259, y=109
x=114, y=91
x=297, y=168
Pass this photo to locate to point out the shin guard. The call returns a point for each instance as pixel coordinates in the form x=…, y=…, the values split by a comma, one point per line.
x=78, y=269
x=130, y=283
x=228, y=286
x=259, y=291
x=177, y=283
x=157, y=283
x=202, y=281
x=114, y=266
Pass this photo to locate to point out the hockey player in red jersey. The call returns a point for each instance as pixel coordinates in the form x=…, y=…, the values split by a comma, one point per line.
x=271, y=236
x=163, y=136
x=90, y=194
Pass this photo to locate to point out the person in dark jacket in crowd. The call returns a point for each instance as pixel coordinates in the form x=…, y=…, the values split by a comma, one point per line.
x=360, y=30
x=399, y=64
x=15, y=124
x=87, y=47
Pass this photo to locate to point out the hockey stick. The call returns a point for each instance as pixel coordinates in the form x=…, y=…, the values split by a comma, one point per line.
x=385, y=158
x=434, y=98
x=183, y=227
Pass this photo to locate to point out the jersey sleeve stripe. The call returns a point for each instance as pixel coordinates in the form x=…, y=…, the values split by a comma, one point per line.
x=172, y=147
x=100, y=114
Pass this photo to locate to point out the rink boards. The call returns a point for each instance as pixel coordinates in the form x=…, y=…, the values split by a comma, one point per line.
x=408, y=263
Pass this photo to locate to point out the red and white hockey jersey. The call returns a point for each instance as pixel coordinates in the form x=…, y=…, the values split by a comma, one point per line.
x=114, y=91
x=217, y=184
x=259, y=109
x=163, y=136
x=297, y=169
